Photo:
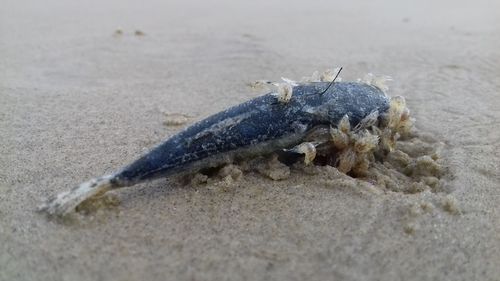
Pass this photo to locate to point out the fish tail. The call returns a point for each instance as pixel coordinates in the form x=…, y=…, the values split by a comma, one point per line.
x=66, y=202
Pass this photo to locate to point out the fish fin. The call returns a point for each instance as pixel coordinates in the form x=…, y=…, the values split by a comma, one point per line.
x=290, y=81
x=308, y=149
x=367, y=122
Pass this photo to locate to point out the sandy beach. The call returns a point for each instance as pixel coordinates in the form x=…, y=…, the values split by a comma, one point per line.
x=85, y=88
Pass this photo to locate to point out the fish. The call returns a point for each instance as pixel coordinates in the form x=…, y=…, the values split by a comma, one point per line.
x=258, y=127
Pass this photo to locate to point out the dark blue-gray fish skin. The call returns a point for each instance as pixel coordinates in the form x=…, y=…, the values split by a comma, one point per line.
x=259, y=126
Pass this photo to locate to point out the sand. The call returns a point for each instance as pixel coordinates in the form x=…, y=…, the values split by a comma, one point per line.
x=79, y=99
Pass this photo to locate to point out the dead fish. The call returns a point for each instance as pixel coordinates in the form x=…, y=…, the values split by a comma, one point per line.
x=261, y=126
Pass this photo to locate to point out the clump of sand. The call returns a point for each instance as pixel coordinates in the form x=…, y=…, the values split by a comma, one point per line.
x=105, y=201
x=176, y=119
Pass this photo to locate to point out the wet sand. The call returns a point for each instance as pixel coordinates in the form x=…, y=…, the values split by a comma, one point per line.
x=78, y=100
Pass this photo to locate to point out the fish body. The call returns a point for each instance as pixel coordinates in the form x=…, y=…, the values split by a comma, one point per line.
x=259, y=126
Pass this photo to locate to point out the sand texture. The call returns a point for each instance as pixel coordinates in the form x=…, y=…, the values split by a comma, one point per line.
x=85, y=88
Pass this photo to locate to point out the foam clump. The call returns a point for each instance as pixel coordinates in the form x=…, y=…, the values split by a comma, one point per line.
x=386, y=151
